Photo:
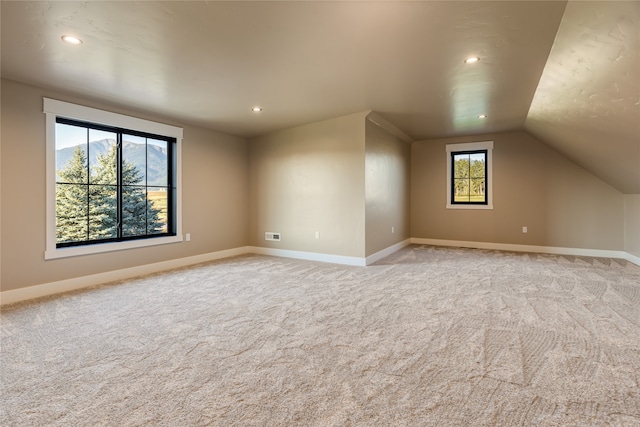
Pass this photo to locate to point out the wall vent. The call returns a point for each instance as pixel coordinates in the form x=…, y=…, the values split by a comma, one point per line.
x=272, y=236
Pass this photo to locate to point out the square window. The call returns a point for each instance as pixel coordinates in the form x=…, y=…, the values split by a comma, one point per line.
x=111, y=170
x=112, y=181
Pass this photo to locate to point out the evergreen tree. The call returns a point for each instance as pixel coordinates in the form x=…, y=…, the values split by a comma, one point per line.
x=90, y=211
x=478, y=178
x=103, y=195
x=469, y=178
x=134, y=202
x=461, y=178
x=72, y=199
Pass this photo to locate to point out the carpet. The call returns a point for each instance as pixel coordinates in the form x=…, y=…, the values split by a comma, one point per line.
x=428, y=336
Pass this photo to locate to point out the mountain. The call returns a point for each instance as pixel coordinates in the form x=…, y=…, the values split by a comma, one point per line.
x=141, y=155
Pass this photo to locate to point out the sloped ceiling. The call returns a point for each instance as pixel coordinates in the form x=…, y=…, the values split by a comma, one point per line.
x=209, y=63
x=587, y=104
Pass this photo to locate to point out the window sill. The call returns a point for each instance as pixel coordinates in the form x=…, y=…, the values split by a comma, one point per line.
x=472, y=207
x=108, y=247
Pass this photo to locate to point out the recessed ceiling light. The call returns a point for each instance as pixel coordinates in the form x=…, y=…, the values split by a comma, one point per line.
x=482, y=116
x=256, y=109
x=71, y=40
x=471, y=60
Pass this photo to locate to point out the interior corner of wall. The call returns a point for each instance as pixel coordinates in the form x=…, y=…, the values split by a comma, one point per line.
x=383, y=123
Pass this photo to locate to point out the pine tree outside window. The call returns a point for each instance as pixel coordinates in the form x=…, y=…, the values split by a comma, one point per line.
x=469, y=175
x=109, y=187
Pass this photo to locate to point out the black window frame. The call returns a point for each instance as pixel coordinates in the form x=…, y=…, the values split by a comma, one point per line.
x=171, y=187
x=453, y=154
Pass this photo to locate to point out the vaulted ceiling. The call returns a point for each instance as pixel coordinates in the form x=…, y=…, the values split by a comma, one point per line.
x=566, y=72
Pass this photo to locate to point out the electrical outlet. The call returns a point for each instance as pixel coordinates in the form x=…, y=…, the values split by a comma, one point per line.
x=393, y=229
x=525, y=229
x=187, y=237
x=317, y=234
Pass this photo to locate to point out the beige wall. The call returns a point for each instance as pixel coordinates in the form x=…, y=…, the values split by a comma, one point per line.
x=387, y=185
x=561, y=204
x=307, y=179
x=345, y=178
x=215, y=188
x=632, y=224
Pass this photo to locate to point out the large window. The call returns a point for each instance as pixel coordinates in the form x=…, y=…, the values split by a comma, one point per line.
x=469, y=176
x=112, y=184
x=112, y=181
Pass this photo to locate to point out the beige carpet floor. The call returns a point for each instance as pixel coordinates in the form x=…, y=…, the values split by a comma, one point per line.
x=426, y=337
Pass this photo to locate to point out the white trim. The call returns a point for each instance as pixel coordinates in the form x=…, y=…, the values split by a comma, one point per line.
x=37, y=291
x=386, y=252
x=488, y=206
x=109, y=247
x=632, y=258
x=471, y=146
x=93, y=115
x=50, y=183
x=602, y=253
x=310, y=256
x=333, y=259
x=53, y=109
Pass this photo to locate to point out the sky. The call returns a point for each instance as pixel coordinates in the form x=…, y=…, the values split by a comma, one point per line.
x=72, y=136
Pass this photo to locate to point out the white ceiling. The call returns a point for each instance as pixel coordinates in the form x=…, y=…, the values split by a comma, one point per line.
x=567, y=73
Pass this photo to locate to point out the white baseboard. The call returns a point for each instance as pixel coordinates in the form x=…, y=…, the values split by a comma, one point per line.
x=603, y=253
x=37, y=291
x=309, y=256
x=334, y=259
x=632, y=258
x=387, y=251
x=45, y=289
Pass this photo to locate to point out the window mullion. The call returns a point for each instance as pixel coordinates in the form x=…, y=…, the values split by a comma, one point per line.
x=146, y=186
x=171, y=182
x=119, y=184
x=453, y=176
x=87, y=185
x=486, y=179
x=469, y=180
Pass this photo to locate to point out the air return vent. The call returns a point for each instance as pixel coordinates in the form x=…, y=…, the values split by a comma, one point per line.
x=272, y=236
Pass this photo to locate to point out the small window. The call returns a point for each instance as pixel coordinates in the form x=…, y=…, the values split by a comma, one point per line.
x=109, y=187
x=469, y=177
